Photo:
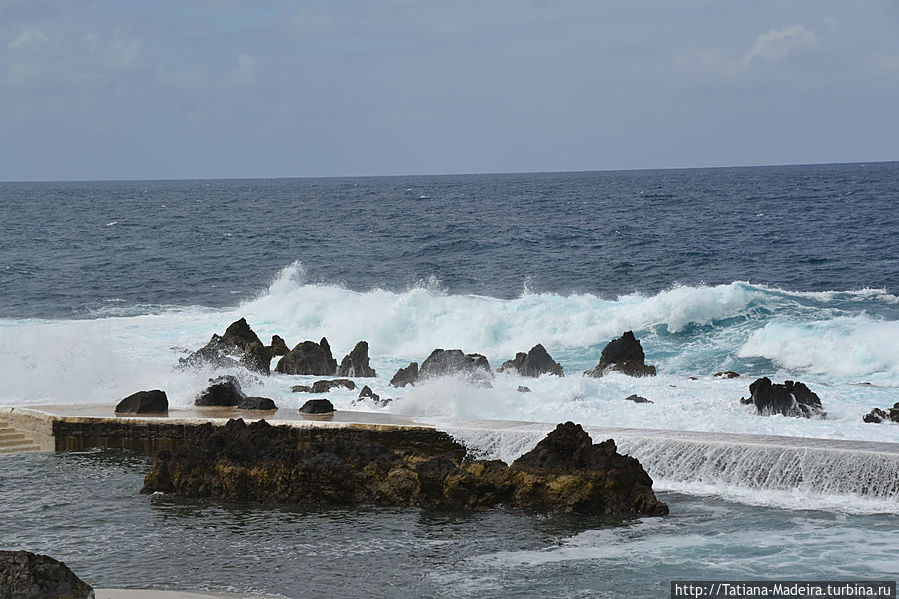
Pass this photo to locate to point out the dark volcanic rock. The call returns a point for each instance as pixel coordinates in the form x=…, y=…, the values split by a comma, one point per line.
x=367, y=393
x=26, y=575
x=238, y=346
x=624, y=355
x=894, y=412
x=523, y=389
x=727, y=374
x=144, y=402
x=637, y=399
x=875, y=416
x=447, y=362
x=224, y=391
x=405, y=376
x=606, y=482
x=400, y=466
x=278, y=347
x=257, y=403
x=308, y=358
x=789, y=399
x=301, y=389
x=317, y=406
x=355, y=363
x=533, y=364
x=326, y=386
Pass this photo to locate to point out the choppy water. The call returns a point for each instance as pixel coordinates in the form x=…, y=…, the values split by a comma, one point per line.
x=787, y=272
x=85, y=509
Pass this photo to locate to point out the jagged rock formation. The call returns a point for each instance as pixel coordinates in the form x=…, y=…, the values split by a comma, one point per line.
x=238, y=346
x=308, y=357
x=625, y=355
x=355, y=363
x=443, y=362
x=637, y=399
x=225, y=391
x=278, y=347
x=405, y=376
x=144, y=402
x=789, y=399
x=26, y=575
x=534, y=363
x=400, y=466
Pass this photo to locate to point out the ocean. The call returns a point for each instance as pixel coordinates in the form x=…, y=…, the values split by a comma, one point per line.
x=788, y=272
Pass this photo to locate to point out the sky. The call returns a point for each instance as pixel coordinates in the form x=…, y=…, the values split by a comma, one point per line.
x=134, y=89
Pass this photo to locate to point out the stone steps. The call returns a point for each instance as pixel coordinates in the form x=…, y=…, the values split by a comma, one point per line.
x=13, y=440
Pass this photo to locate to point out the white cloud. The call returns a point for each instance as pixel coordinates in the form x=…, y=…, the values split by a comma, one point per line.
x=201, y=77
x=884, y=64
x=45, y=61
x=776, y=44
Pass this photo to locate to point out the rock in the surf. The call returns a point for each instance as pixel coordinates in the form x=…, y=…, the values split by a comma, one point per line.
x=402, y=466
x=727, y=374
x=894, y=412
x=301, y=389
x=308, y=357
x=278, y=347
x=326, y=386
x=875, y=416
x=624, y=355
x=257, y=403
x=223, y=391
x=26, y=575
x=144, y=402
x=532, y=364
x=637, y=399
x=449, y=362
x=789, y=399
x=317, y=406
x=238, y=346
x=405, y=376
x=356, y=363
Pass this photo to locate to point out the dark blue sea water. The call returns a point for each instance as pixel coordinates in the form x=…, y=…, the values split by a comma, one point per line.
x=68, y=247
x=789, y=272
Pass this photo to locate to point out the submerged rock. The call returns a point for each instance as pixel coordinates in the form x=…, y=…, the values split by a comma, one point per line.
x=637, y=399
x=523, y=389
x=144, y=402
x=308, y=357
x=532, y=364
x=238, y=346
x=400, y=466
x=727, y=374
x=26, y=575
x=624, y=355
x=317, y=406
x=789, y=399
x=301, y=389
x=355, y=363
x=405, y=376
x=326, y=386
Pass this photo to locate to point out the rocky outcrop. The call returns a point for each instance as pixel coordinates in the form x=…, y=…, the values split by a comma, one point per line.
x=308, y=357
x=225, y=391
x=400, y=466
x=144, y=402
x=326, y=386
x=355, y=363
x=278, y=347
x=624, y=355
x=238, y=346
x=405, y=376
x=534, y=363
x=877, y=415
x=317, y=406
x=453, y=362
x=367, y=393
x=789, y=399
x=26, y=575
x=567, y=472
